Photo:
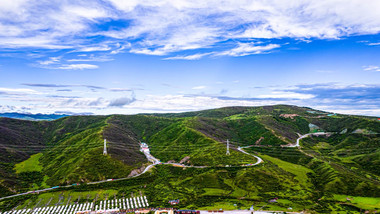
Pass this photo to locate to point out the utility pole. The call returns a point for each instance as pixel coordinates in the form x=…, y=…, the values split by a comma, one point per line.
x=105, y=147
x=228, y=147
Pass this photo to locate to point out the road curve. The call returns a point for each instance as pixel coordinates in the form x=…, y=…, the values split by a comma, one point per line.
x=298, y=140
x=240, y=149
x=259, y=160
x=297, y=144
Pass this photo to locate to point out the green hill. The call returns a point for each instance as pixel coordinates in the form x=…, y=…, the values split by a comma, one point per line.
x=315, y=176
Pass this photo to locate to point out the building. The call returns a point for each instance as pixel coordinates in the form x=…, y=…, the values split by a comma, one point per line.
x=144, y=148
x=173, y=202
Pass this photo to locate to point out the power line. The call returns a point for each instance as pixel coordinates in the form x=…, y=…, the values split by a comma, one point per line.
x=164, y=146
x=278, y=150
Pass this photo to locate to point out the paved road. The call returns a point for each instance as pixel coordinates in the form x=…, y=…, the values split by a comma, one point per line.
x=30, y=192
x=297, y=144
x=298, y=141
x=259, y=160
x=240, y=149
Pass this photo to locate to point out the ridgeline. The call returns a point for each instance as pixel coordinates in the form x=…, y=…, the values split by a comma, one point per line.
x=334, y=171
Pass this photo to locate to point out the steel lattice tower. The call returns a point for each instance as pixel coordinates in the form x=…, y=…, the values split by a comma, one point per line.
x=228, y=147
x=105, y=147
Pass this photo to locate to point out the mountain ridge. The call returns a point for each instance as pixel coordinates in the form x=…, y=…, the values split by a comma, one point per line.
x=34, y=117
x=70, y=150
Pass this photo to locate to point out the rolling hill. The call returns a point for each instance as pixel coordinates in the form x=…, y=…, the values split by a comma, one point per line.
x=319, y=175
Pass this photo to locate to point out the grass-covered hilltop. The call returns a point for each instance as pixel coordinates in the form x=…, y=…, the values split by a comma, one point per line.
x=336, y=168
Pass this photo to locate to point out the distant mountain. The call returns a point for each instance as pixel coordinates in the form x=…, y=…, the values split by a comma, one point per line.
x=36, y=117
x=343, y=161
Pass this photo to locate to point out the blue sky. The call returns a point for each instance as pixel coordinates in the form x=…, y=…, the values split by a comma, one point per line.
x=127, y=57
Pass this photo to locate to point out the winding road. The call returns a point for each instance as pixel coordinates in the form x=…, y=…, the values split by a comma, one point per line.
x=259, y=160
x=297, y=144
x=298, y=140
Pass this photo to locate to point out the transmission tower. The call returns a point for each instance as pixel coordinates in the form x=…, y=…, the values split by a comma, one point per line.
x=228, y=147
x=105, y=147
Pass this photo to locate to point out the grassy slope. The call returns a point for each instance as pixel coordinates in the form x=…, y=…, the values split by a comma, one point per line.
x=240, y=130
x=212, y=188
x=30, y=165
x=179, y=140
x=302, y=179
x=19, y=139
x=73, y=152
x=125, y=132
x=361, y=202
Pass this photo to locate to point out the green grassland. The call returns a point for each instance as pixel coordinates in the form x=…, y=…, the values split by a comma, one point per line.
x=299, y=171
x=318, y=177
x=361, y=202
x=178, y=141
x=30, y=165
x=214, y=188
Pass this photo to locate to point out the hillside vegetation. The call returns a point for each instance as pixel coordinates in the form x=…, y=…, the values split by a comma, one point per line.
x=343, y=162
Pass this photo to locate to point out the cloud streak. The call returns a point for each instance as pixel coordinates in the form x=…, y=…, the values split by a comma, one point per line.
x=56, y=63
x=18, y=91
x=189, y=57
x=122, y=101
x=244, y=49
x=46, y=85
x=350, y=94
x=371, y=68
x=200, y=87
x=42, y=85
x=76, y=66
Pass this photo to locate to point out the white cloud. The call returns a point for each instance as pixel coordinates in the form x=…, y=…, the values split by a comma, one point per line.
x=76, y=66
x=180, y=103
x=58, y=62
x=199, y=87
x=121, y=89
x=86, y=12
x=374, y=43
x=189, y=57
x=95, y=48
x=204, y=23
x=287, y=95
x=367, y=112
x=120, y=48
x=47, y=24
x=122, y=101
x=163, y=27
x=90, y=58
x=329, y=97
x=51, y=60
x=371, y=68
x=244, y=49
x=32, y=42
x=75, y=103
x=146, y=51
x=17, y=91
